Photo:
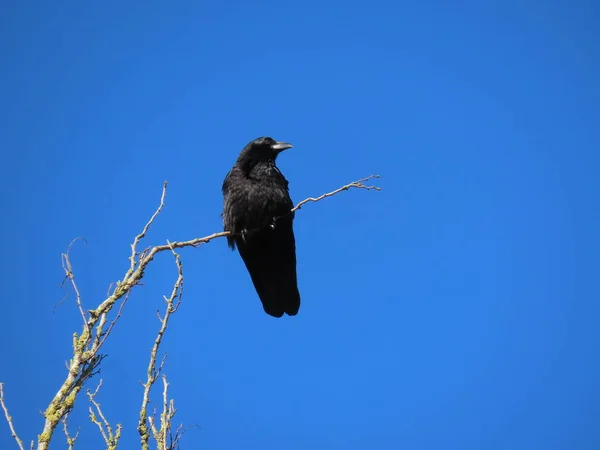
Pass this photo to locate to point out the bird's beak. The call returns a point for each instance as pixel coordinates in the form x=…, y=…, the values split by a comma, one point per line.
x=281, y=146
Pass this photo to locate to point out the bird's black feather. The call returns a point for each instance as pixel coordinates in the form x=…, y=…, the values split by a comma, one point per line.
x=256, y=211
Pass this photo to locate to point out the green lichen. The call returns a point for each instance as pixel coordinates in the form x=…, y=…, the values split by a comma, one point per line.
x=55, y=412
x=45, y=437
x=82, y=341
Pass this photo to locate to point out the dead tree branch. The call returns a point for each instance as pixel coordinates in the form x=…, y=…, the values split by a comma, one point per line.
x=86, y=345
x=9, y=419
x=160, y=435
x=70, y=439
x=111, y=439
x=68, y=268
x=359, y=184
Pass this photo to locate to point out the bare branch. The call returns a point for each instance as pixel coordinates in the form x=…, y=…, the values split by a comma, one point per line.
x=167, y=439
x=86, y=346
x=359, y=184
x=68, y=268
x=70, y=439
x=164, y=437
x=165, y=418
x=142, y=235
x=173, y=302
x=110, y=439
x=9, y=419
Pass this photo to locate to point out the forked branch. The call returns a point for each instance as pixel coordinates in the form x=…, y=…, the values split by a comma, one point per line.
x=111, y=438
x=70, y=439
x=358, y=184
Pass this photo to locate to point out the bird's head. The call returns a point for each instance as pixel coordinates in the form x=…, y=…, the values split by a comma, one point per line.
x=264, y=149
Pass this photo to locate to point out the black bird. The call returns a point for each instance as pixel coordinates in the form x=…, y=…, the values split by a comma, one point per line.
x=256, y=210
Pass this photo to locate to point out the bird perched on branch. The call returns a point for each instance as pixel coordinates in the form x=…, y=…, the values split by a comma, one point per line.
x=257, y=211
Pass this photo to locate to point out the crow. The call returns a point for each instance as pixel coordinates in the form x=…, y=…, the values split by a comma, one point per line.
x=257, y=212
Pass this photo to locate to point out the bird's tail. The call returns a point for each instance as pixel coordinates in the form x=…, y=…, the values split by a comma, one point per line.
x=272, y=267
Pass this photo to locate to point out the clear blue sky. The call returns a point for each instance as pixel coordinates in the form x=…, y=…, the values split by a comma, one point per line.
x=456, y=309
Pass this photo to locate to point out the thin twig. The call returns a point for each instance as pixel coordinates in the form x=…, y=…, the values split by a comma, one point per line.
x=359, y=184
x=68, y=268
x=9, y=419
x=142, y=235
